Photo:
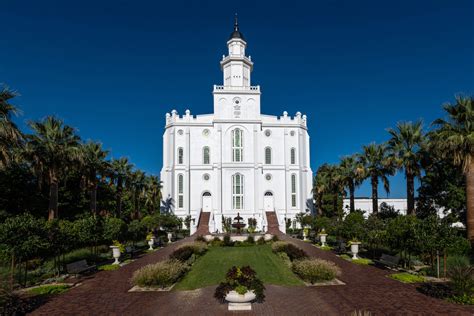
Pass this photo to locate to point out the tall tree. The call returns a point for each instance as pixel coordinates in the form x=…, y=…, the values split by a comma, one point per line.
x=377, y=166
x=153, y=193
x=351, y=175
x=321, y=184
x=455, y=139
x=137, y=186
x=120, y=174
x=9, y=133
x=52, y=148
x=94, y=167
x=405, y=147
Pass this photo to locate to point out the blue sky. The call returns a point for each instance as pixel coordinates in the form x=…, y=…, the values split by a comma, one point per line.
x=113, y=69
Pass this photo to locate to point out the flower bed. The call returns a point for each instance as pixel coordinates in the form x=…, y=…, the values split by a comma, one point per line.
x=315, y=270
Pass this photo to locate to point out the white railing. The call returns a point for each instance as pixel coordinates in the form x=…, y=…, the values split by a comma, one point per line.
x=232, y=88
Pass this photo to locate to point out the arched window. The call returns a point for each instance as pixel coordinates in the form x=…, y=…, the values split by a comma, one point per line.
x=268, y=193
x=180, y=191
x=293, y=156
x=237, y=145
x=237, y=191
x=206, y=194
x=268, y=156
x=180, y=155
x=293, y=190
x=206, y=155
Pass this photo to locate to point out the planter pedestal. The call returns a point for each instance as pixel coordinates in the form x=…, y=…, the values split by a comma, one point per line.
x=355, y=250
x=240, y=302
x=115, y=254
x=151, y=242
x=240, y=306
x=322, y=237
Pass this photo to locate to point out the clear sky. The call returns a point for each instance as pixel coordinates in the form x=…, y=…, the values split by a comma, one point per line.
x=114, y=68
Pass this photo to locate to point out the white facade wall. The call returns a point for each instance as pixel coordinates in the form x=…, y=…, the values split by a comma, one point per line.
x=237, y=106
x=366, y=205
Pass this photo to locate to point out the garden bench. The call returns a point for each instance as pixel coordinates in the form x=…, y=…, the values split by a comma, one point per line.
x=132, y=251
x=340, y=248
x=79, y=267
x=388, y=260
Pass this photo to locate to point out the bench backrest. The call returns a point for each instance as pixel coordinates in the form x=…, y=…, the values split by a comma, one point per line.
x=78, y=265
x=389, y=258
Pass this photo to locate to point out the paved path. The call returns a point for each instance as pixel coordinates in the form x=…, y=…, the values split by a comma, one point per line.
x=367, y=288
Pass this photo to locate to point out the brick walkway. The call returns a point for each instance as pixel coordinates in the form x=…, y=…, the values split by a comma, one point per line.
x=367, y=288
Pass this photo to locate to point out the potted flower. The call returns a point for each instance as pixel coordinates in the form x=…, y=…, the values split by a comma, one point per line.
x=240, y=289
x=322, y=237
x=170, y=236
x=151, y=240
x=354, y=248
x=117, y=249
x=305, y=233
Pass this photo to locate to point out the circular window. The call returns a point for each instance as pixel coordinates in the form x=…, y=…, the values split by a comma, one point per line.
x=206, y=177
x=268, y=177
x=206, y=132
x=180, y=132
x=292, y=133
x=236, y=100
x=268, y=133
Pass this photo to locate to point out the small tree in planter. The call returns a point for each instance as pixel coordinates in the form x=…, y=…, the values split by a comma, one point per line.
x=240, y=288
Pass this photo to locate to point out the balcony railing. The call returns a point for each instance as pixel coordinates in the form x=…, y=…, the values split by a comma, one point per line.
x=232, y=88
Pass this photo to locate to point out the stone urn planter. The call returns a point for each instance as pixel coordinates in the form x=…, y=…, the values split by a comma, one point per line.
x=322, y=238
x=305, y=234
x=151, y=242
x=116, y=254
x=240, y=302
x=355, y=249
x=170, y=236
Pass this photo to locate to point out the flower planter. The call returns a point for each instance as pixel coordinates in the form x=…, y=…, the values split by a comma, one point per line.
x=322, y=237
x=240, y=302
x=116, y=254
x=355, y=249
x=305, y=234
x=170, y=236
x=151, y=242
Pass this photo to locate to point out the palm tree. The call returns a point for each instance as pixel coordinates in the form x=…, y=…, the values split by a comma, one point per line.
x=320, y=187
x=120, y=174
x=455, y=139
x=9, y=133
x=351, y=173
x=405, y=147
x=377, y=165
x=153, y=193
x=137, y=186
x=52, y=148
x=94, y=166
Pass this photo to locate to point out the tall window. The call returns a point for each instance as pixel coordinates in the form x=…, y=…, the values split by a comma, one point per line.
x=293, y=190
x=293, y=156
x=237, y=191
x=237, y=147
x=180, y=156
x=180, y=191
x=268, y=155
x=206, y=155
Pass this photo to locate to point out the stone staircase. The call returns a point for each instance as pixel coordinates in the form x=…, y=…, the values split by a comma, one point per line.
x=203, y=224
x=272, y=222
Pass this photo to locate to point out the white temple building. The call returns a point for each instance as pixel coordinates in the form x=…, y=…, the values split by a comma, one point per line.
x=237, y=160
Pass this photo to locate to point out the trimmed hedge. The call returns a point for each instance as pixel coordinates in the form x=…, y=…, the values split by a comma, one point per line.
x=315, y=270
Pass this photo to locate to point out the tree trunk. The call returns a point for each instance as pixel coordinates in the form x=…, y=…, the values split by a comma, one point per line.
x=375, y=194
x=470, y=201
x=334, y=204
x=93, y=199
x=53, y=200
x=351, y=196
x=319, y=202
x=410, y=193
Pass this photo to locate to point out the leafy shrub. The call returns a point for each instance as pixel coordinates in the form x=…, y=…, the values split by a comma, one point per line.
x=293, y=252
x=462, y=277
x=315, y=270
x=261, y=241
x=462, y=299
x=114, y=229
x=227, y=241
x=161, y=274
x=279, y=246
x=198, y=248
x=436, y=290
x=182, y=253
x=250, y=240
x=459, y=246
x=241, y=279
x=200, y=238
x=407, y=277
x=216, y=242
x=275, y=238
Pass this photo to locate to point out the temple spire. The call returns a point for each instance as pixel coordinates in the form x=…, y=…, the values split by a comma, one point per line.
x=236, y=23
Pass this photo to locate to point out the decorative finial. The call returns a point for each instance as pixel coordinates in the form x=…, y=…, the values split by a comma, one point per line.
x=236, y=23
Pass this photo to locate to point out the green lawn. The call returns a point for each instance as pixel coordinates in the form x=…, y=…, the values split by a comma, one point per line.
x=211, y=268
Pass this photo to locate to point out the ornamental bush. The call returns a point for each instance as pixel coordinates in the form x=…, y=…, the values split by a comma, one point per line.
x=315, y=270
x=197, y=247
x=161, y=274
x=279, y=246
x=182, y=254
x=293, y=252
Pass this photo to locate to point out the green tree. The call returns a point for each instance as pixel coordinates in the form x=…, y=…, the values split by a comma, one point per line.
x=114, y=229
x=10, y=135
x=153, y=187
x=52, y=149
x=377, y=166
x=455, y=139
x=120, y=173
x=351, y=175
x=405, y=147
